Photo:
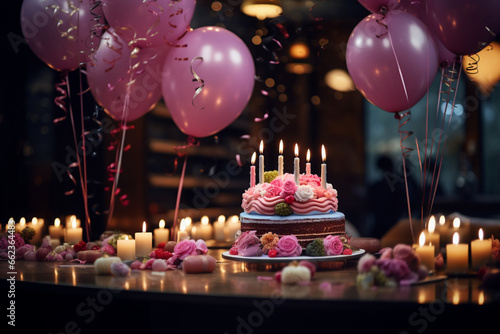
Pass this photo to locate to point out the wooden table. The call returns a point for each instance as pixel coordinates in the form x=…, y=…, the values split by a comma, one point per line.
x=62, y=298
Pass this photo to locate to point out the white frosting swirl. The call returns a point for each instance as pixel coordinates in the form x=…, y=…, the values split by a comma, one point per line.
x=304, y=193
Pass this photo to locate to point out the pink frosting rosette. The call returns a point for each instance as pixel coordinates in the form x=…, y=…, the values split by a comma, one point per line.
x=288, y=246
x=333, y=245
x=310, y=179
x=277, y=182
x=289, y=188
x=185, y=248
x=248, y=244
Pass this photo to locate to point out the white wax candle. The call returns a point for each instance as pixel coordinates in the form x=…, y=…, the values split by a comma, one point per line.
x=182, y=233
x=426, y=253
x=161, y=234
x=457, y=256
x=308, y=164
x=21, y=225
x=280, y=159
x=205, y=229
x=431, y=237
x=233, y=225
x=143, y=242
x=126, y=249
x=219, y=226
x=252, y=171
x=261, y=162
x=480, y=251
x=323, y=167
x=74, y=235
x=296, y=165
x=55, y=231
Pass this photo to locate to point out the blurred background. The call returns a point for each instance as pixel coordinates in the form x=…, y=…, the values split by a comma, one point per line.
x=303, y=86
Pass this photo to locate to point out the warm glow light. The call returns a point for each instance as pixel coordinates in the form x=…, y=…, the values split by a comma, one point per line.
x=432, y=224
x=205, y=220
x=481, y=234
x=296, y=150
x=487, y=67
x=456, y=222
x=73, y=224
x=456, y=238
x=299, y=50
x=261, y=9
x=480, y=298
x=22, y=221
x=188, y=221
x=34, y=221
x=281, y=147
x=183, y=224
x=261, y=147
x=308, y=155
x=456, y=297
x=234, y=218
x=421, y=240
x=144, y=227
x=161, y=224
x=221, y=219
x=442, y=220
x=323, y=153
x=339, y=80
x=254, y=157
x=57, y=222
x=126, y=237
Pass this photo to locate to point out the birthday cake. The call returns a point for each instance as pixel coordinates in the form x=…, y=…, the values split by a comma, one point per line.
x=279, y=205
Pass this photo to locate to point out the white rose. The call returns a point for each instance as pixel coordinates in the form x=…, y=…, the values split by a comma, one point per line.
x=304, y=193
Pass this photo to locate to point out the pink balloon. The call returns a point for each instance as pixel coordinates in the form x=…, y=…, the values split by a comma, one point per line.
x=392, y=60
x=149, y=22
x=207, y=84
x=60, y=32
x=111, y=71
x=465, y=26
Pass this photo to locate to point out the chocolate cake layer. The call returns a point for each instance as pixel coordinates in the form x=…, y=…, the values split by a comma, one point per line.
x=305, y=228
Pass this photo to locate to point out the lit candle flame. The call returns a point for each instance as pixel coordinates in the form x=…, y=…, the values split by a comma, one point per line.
x=57, y=222
x=126, y=237
x=234, y=218
x=296, y=150
x=480, y=298
x=456, y=238
x=281, y=147
x=144, y=227
x=188, y=221
x=34, y=221
x=73, y=224
x=481, y=234
x=308, y=155
x=22, y=221
x=432, y=224
x=421, y=240
x=261, y=147
x=161, y=224
x=221, y=219
x=204, y=220
x=254, y=157
x=323, y=153
x=456, y=222
x=442, y=220
x=183, y=224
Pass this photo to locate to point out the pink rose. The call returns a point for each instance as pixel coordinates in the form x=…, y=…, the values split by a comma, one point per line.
x=288, y=246
x=248, y=244
x=108, y=249
x=310, y=179
x=289, y=188
x=366, y=262
x=407, y=254
x=396, y=268
x=333, y=245
x=185, y=248
x=272, y=191
x=201, y=247
x=386, y=253
x=277, y=182
x=330, y=193
x=289, y=199
x=320, y=191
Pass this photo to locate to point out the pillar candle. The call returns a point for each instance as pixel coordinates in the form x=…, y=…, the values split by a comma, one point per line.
x=296, y=165
x=205, y=230
x=431, y=237
x=323, y=167
x=161, y=233
x=426, y=253
x=457, y=256
x=21, y=225
x=252, y=171
x=233, y=225
x=182, y=234
x=280, y=159
x=73, y=234
x=261, y=162
x=442, y=229
x=308, y=164
x=219, y=226
x=143, y=242
x=55, y=231
x=126, y=249
x=480, y=251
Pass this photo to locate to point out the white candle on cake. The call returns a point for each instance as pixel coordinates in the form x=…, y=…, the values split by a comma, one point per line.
x=261, y=162
x=308, y=164
x=296, y=165
x=252, y=170
x=280, y=159
x=323, y=167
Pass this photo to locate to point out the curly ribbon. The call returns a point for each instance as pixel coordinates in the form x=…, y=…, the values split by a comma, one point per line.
x=314, y=17
x=73, y=11
x=95, y=29
x=199, y=89
x=61, y=88
x=473, y=64
x=257, y=119
x=116, y=48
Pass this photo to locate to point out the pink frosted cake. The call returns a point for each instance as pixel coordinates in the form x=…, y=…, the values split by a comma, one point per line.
x=307, y=210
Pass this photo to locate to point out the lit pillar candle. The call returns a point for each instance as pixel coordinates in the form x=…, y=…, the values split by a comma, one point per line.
x=425, y=252
x=161, y=234
x=323, y=167
x=21, y=225
x=442, y=229
x=233, y=225
x=431, y=237
x=480, y=251
x=73, y=234
x=55, y=231
x=143, y=242
x=296, y=165
x=308, y=164
x=261, y=162
x=252, y=170
x=457, y=256
x=182, y=234
x=188, y=224
x=126, y=249
x=206, y=229
x=219, y=227
x=280, y=159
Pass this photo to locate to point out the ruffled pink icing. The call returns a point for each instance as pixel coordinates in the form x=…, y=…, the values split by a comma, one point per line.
x=266, y=205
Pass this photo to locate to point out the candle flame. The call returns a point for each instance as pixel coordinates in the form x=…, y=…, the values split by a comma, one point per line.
x=421, y=240
x=73, y=224
x=254, y=157
x=144, y=226
x=183, y=224
x=22, y=221
x=308, y=155
x=480, y=298
x=323, y=153
x=221, y=219
x=188, y=221
x=57, y=222
x=481, y=234
x=126, y=237
x=456, y=297
x=456, y=222
x=442, y=220
x=261, y=147
x=34, y=221
x=234, y=219
x=432, y=224
x=456, y=238
x=281, y=147
x=296, y=150
x=162, y=223
x=205, y=220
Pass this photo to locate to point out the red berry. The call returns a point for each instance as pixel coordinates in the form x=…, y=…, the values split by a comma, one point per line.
x=161, y=245
x=233, y=251
x=347, y=251
x=272, y=253
x=159, y=253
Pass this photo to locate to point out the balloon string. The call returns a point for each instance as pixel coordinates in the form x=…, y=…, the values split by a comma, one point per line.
x=399, y=68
